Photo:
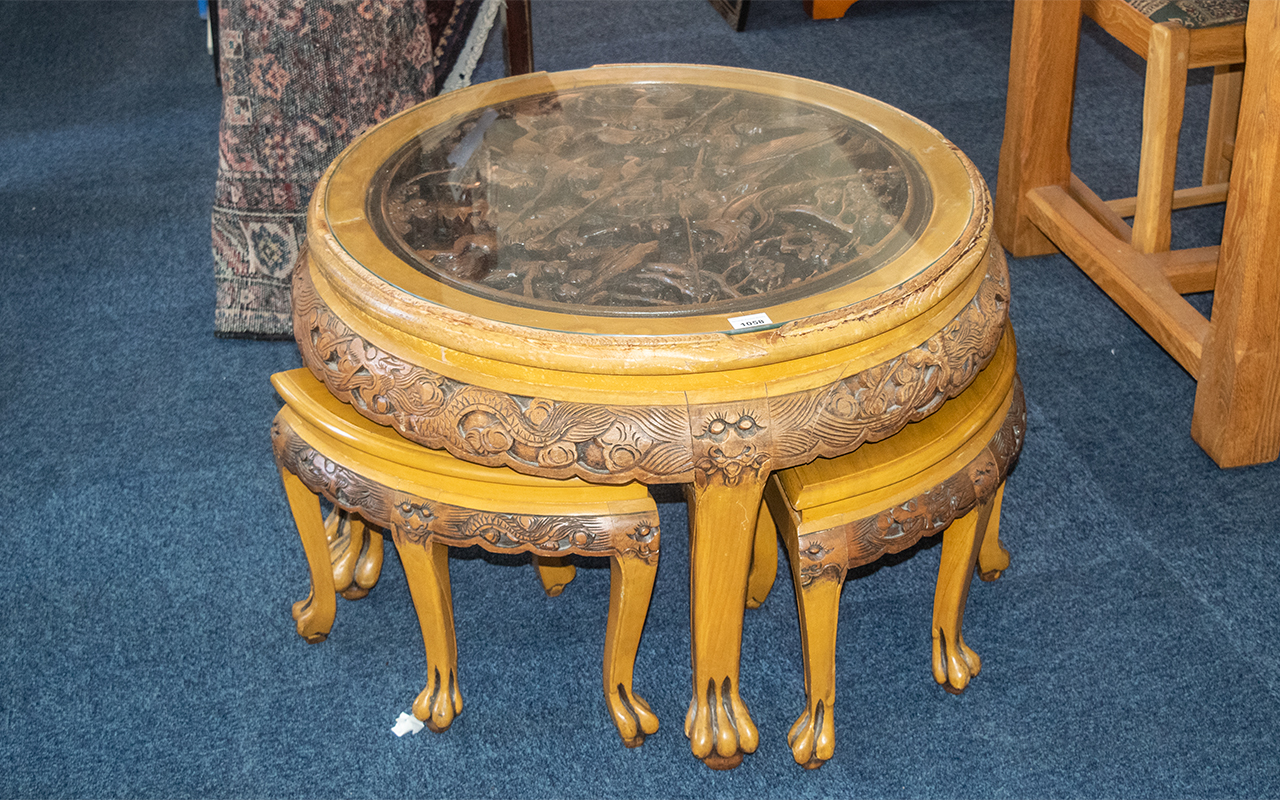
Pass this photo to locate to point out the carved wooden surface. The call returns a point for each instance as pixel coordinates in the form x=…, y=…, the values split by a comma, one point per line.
x=649, y=199
x=653, y=444
x=828, y=554
x=424, y=528
x=418, y=520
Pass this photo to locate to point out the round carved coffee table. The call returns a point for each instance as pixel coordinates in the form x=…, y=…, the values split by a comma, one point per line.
x=664, y=274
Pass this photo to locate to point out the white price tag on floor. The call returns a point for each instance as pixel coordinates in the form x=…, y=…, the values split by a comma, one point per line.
x=406, y=723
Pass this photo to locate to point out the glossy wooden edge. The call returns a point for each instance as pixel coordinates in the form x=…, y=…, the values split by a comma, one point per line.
x=628, y=372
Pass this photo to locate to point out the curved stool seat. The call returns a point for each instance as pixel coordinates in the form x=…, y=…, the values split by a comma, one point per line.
x=430, y=501
x=945, y=471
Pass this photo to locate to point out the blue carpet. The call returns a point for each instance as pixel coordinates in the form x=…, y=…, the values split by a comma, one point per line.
x=146, y=647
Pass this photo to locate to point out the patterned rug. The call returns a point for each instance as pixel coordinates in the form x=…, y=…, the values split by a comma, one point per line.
x=300, y=80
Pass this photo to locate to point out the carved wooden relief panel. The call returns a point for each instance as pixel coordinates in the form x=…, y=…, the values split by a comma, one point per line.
x=416, y=519
x=649, y=200
x=827, y=554
x=654, y=444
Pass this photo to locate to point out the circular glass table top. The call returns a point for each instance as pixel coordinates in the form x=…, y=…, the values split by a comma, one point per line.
x=649, y=200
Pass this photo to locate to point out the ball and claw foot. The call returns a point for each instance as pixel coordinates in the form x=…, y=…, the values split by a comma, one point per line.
x=632, y=716
x=554, y=573
x=992, y=561
x=355, y=553
x=440, y=702
x=719, y=727
x=312, y=624
x=953, y=667
x=813, y=736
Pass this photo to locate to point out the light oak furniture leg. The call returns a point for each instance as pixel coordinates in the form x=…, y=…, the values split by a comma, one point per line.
x=1036, y=149
x=314, y=616
x=630, y=588
x=722, y=523
x=1163, y=100
x=555, y=574
x=993, y=558
x=1237, y=406
x=355, y=550
x=426, y=567
x=1224, y=111
x=954, y=662
x=764, y=561
x=812, y=737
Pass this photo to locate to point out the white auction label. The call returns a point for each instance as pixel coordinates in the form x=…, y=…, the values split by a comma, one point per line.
x=406, y=723
x=750, y=321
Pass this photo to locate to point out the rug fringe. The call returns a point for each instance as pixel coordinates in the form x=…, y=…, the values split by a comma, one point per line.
x=474, y=48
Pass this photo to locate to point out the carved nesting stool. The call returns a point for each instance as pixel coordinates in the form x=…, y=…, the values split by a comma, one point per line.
x=430, y=501
x=836, y=514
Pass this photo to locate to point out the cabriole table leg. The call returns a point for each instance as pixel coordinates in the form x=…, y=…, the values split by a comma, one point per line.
x=315, y=614
x=722, y=524
x=631, y=581
x=954, y=662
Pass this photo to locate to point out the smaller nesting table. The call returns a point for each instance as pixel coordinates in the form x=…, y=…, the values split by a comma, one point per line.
x=944, y=473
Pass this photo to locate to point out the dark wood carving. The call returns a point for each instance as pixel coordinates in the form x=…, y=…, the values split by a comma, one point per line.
x=658, y=444
x=827, y=554
x=649, y=199
x=419, y=520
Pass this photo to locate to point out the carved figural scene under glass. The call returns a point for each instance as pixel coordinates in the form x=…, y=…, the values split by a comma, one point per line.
x=649, y=200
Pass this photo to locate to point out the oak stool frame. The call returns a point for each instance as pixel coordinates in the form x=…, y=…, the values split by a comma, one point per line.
x=430, y=501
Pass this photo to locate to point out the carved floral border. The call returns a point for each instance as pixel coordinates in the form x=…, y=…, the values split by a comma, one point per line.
x=652, y=444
